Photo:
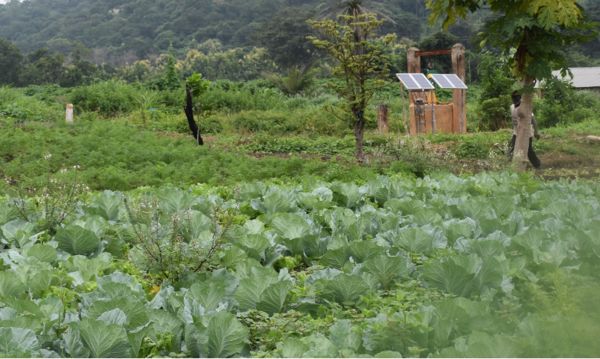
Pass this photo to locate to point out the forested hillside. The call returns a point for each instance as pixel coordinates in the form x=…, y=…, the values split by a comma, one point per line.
x=70, y=42
x=147, y=27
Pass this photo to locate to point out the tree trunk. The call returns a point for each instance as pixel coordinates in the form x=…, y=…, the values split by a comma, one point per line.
x=189, y=113
x=524, y=128
x=359, y=132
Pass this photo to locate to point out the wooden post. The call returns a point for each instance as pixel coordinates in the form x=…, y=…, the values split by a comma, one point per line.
x=420, y=116
x=413, y=61
x=383, y=120
x=458, y=98
x=69, y=118
x=462, y=112
x=414, y=67
x=404, y=110
x=432, y=118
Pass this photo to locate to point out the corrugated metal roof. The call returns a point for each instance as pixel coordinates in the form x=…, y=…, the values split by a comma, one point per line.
x=583, y=76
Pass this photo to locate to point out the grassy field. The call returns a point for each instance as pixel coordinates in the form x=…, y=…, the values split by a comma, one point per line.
x=252, y=132
x=121, y=237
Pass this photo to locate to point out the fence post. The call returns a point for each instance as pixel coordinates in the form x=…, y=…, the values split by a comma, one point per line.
x=383, y=120
x=69, y=113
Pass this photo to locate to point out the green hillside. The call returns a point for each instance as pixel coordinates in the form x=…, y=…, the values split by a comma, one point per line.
x=147, y=27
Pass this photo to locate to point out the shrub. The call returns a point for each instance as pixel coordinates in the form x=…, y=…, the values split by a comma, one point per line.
x=298, y=79
x=494, y=113
x=171, y=102
x=562, y=104
x=314, y=121
x=208, y=125
x=477, y=147
x=264, y=121
x=227, y=95
x=107, y=98
x=175, y=249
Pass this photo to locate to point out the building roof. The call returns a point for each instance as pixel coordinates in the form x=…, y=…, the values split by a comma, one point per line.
x=583, y=77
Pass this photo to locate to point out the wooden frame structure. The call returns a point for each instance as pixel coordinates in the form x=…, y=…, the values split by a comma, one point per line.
x=449, y=117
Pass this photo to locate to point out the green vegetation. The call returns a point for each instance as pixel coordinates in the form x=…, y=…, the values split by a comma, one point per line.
x=121, y=237
x=482, y=266
x=542, y=32
x=126, y=136
x=360, y=65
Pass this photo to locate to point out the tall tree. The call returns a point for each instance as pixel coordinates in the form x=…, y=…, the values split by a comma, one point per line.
x=362, y=72
x=10, y=62
x=42, y=68
x=537, y=30
x=352, y=8
x=284, y=37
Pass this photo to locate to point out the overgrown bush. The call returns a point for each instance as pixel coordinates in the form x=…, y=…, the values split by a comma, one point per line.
x=207, y=125
x=168, y=242
x=494, y=100
x=298, y=80
x=312, y=122
x=480, y=146
x=16, y=104
x=171, y=102
x=237, y=99
x=494, y=113
x=562, y=104
x=265, y=121
x=107, y=98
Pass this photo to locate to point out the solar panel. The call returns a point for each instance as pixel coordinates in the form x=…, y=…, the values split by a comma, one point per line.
x=448, y=81
x=415, y=81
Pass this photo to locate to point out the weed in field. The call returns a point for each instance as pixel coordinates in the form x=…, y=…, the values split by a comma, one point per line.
x=169, y=244
x=55, y=196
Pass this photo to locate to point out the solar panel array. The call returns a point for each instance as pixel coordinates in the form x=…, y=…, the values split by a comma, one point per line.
x=448, y=81
x=415, y=81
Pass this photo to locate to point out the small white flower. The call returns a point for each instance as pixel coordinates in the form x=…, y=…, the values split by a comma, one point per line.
x=47, y=156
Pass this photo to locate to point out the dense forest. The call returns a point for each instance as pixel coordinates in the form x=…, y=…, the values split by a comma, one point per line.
x=147, y=27
x=71, y=42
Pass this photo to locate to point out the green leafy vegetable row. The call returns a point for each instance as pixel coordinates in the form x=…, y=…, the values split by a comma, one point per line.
x=441, y=266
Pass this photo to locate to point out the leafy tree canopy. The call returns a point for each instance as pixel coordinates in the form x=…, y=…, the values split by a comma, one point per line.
x=10, y=62
x=361, y=65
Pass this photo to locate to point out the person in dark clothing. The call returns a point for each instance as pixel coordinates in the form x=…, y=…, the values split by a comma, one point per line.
x=533, y=158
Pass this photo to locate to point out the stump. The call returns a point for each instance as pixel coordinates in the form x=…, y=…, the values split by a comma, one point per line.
x=383, y=120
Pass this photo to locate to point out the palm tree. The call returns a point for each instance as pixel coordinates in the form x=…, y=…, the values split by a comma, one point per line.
x=353, y=8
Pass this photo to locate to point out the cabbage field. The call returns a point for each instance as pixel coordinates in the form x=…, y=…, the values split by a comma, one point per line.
x=492, y=265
